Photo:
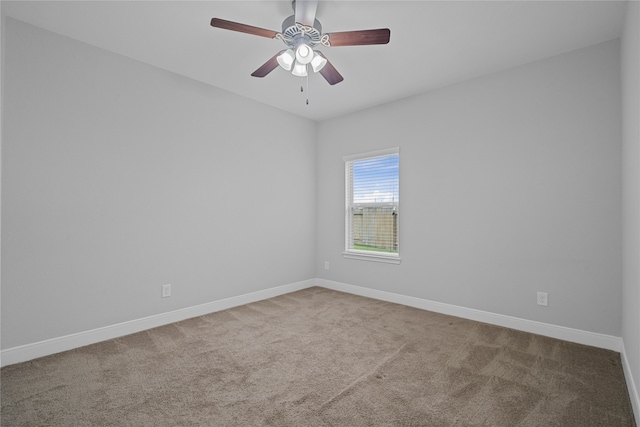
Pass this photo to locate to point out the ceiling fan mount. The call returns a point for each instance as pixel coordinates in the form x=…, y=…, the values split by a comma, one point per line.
x=301, y=33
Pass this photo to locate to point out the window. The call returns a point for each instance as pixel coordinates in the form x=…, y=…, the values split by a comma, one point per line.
x=372, y=204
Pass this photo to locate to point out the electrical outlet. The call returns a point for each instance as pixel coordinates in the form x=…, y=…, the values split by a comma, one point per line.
x=166, y=291
x=543, y=298
x=326, y=265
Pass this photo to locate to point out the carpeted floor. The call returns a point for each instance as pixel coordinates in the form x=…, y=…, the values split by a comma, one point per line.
x=317, y=357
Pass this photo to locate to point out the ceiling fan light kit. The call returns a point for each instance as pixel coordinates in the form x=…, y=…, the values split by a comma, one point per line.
x=301, y=33
x=299, y=60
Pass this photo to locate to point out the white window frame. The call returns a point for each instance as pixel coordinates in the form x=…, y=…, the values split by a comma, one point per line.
x=392, y=258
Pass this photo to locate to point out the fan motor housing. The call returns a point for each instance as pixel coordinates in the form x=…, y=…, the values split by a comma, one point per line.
x=294, y=34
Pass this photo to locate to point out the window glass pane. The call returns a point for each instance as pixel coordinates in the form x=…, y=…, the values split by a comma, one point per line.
x=375, y=180
x=372, y=204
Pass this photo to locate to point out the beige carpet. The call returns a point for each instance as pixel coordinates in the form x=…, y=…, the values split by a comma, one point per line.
x=321, y=358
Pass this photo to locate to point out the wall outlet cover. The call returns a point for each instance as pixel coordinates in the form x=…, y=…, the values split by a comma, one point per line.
x=166, y=291
x=543, y=299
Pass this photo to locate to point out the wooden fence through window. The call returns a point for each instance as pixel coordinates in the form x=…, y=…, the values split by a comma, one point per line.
x=376, y=227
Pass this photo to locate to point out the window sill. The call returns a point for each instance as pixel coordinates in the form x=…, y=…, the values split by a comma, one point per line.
x=369, y=256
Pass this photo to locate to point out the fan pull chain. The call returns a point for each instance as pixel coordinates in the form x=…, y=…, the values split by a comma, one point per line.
x=302, y=88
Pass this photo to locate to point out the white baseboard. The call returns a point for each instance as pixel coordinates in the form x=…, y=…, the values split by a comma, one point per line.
x=634, y=396
x=68, y=342
x=568, y=334
x=23, y=353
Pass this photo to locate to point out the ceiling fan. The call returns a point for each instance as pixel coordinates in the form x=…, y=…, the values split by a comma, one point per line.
x=301, y=33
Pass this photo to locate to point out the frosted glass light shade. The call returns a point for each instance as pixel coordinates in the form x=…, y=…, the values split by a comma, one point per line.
x=318, y=62
x=304, y=54
x=299, y=69
x=286, y=59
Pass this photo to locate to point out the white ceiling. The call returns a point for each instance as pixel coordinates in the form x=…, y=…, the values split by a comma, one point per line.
x=433, y=43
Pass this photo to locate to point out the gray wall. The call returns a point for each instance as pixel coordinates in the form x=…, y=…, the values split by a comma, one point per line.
x=631, y=188
x=118, y=177
x=509, y=184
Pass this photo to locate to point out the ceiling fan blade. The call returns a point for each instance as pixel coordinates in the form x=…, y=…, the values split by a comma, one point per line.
x=330, y=73
x=358, y=38
x=305, y=11
x=242, y=28
x=268, y=66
